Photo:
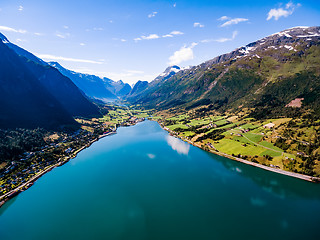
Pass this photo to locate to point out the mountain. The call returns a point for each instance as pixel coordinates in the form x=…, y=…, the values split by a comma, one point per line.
x=169, y=72
x=94, y=86
x=139, y=87
x=21, y=52
x=265, y=75
x=91, y=85
x=124, y=89
x=59, y=86
x=118, y=88
x=64, y=90
x=25, y=102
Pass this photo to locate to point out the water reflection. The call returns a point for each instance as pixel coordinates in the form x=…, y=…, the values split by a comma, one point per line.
x=276, y=184
x=178, y=145
x=7, y=205
x=257, y=202
x=151, y=156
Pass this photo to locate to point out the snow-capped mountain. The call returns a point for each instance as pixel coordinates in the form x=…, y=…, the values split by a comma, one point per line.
x=169, y=72
x=264, y=75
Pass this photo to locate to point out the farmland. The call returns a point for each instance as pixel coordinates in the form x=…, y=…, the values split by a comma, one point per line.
x=283, y=143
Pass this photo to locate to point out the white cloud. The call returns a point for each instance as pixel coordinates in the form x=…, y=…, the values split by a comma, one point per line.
x=20, y=40
x=82, y=44
x=20, y=8
x=60, y=35
x=176, y=33
x=149, y=37
x=277, y=13
x=9, y=29
x=182, y=55
x=174, y=5
x=49, y=57
x=97, y=29
x=153, y=14
x=120, y=39
x=66, y=27
x=234, y=34
x=63, y=35
x=38, y=34
x=172, y=34
x=110, y=21
x=223, y=18
x=234, y=21
x=197, y=24
x=156, y=36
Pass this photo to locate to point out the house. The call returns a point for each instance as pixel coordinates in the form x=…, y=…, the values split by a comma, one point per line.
x=68, y=150
x=269, y=125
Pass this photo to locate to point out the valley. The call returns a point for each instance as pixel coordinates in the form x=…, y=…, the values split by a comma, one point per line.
x=159, y=120
x=258, y=103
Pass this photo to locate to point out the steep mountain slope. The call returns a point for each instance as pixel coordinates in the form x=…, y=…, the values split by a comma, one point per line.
x=141, y=86
x=118, y=88
x=94, y=86
x=169, y=72
x=64, y=90
x=123, y=90
x=20, y=51
x=25, y=102
x=91, y=85
x=138, y=87
x=255, y=76
x=61, y=87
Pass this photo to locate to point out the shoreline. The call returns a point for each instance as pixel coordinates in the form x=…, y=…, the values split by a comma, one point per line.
x=267, y=168
x=4, y=198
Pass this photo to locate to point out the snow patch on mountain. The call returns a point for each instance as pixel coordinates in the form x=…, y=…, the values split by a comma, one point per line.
x=289, y=47
x=306, y=36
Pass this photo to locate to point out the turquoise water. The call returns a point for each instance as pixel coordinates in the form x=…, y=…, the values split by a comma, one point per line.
x=144, y=184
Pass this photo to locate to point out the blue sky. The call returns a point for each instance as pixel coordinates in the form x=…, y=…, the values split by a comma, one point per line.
x=137, y=40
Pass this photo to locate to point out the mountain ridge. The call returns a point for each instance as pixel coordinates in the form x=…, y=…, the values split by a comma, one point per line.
x=94, y=86
x=25, y=102
x=66, y=99
x=243, y=76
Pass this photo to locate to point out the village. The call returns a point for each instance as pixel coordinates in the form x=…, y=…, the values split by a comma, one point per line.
x=19, y=175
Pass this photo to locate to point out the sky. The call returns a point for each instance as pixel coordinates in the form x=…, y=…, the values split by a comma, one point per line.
x=136, y=40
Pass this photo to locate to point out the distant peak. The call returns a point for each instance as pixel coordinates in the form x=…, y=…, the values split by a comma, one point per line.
x=175, y=66
x=172, y=68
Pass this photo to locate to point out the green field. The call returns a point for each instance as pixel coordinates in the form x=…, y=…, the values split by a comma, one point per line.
x=175, y=126
x=253, y=137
